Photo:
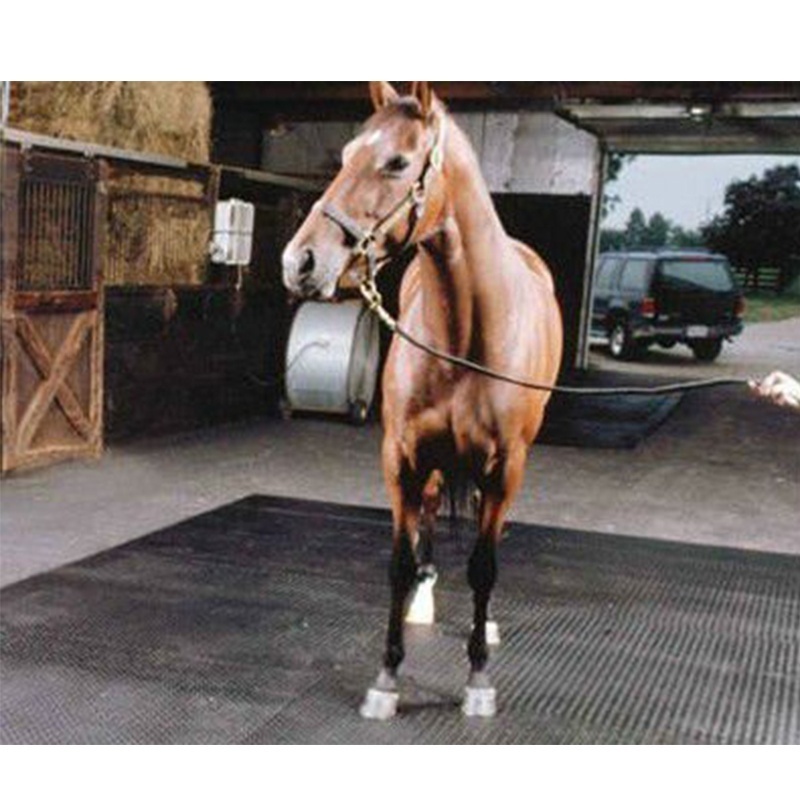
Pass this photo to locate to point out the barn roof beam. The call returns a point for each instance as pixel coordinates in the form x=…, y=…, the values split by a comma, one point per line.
x=310, y=97
x=693, y=127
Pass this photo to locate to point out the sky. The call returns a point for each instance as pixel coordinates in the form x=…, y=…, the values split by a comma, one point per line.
x=687, y=190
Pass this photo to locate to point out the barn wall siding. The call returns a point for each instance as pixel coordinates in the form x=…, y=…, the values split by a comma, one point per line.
x=519, y=152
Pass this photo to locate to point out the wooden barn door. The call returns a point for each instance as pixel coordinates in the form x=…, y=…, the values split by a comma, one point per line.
x=52, y=309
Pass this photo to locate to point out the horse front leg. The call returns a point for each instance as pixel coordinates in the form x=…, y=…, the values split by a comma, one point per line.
x=382, y=698
x=421, y=608
x=496, y=496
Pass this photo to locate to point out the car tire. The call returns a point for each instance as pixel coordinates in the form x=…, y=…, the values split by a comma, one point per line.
x=706, y=349
x=621, y=344
x=358, y=413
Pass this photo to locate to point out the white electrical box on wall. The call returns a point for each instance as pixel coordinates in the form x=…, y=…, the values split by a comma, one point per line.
x=232, y=241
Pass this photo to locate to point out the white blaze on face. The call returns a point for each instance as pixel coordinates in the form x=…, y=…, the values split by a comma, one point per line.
x=364, y=140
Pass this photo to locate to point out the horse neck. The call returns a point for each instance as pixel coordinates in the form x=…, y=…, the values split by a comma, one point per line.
x=465, y=266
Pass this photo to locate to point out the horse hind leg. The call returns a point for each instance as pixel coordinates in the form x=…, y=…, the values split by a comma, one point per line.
x=421, y=609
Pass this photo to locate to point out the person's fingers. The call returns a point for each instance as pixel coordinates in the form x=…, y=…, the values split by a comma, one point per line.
x=784, y=396
x=780, y=388
x=773, y=380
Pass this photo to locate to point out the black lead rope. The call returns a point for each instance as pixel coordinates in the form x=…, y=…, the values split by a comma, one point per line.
x=375, y=304
x=669, y=388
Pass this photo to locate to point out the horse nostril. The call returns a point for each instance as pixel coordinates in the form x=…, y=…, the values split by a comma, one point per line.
x=307, y=264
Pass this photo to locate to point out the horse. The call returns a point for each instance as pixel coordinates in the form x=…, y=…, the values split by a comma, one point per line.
x=410, y=179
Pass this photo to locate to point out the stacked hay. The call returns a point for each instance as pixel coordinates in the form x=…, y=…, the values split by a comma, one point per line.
x=168, y=117
x=158, y=231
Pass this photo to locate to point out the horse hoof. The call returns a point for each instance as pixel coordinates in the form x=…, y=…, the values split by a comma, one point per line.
x=480, y=702
x=379, y=705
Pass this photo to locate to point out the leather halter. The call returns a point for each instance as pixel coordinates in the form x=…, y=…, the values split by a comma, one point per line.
x=412, y=203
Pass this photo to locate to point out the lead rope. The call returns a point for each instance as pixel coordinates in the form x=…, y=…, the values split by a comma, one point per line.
x=374, y=300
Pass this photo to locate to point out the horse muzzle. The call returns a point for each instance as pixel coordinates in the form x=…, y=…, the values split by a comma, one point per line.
x=304, y=276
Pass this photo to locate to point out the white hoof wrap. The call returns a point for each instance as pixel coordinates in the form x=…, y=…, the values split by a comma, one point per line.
x=480, y=702
x=492, y=633
x=379, y=705
x=421, y=610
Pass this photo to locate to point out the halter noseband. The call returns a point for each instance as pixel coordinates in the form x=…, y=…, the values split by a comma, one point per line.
x=412, y=203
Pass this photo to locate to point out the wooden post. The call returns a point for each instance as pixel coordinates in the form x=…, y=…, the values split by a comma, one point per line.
x=9, y=257
x=99, y=251
x=211, y=197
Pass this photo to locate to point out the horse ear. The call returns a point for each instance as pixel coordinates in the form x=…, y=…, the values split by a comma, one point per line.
x=424, y=94
x=382, y=93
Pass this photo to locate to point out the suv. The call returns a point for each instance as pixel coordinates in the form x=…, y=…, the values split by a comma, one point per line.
x=664, y=297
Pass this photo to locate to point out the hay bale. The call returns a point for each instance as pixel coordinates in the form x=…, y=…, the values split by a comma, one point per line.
x=151, y=239
x=157, y=233
x=168, y=117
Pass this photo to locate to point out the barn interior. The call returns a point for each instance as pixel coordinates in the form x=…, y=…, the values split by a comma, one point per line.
x=144, y=385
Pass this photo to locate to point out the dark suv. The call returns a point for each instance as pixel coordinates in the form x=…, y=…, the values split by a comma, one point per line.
x=664, y=297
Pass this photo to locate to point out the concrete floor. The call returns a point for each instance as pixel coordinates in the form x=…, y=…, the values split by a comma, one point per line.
x=723, y=470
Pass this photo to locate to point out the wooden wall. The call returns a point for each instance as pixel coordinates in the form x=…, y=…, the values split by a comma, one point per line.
x=183, y=358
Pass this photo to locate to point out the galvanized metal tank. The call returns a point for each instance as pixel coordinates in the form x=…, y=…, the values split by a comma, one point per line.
x=332, y=359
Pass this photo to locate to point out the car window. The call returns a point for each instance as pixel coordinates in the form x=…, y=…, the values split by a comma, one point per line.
x=608, y=272
x=696, y=274
x=636, y=276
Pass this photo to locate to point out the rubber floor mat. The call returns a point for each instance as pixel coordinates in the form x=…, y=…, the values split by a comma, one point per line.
x=263, y=622
x=618, y=422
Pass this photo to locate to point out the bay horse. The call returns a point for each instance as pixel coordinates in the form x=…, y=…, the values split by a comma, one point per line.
x=411, y=178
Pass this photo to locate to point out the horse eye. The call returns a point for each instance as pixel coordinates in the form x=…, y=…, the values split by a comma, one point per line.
x=396, y=165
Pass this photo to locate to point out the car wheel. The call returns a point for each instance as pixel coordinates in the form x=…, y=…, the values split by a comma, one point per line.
x=706, y=349
x=620, y=342
x=359, y=411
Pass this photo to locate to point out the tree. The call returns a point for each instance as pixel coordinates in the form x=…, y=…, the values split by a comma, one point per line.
x=657, y=232
x=614, y=164
x=760, y=224
x=635, y=230
x=681, y=238
x=648, y=234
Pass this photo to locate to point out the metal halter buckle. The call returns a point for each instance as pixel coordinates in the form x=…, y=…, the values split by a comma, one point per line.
x=418, y=194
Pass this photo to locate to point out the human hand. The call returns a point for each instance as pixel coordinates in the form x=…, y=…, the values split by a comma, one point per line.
x=780, y=388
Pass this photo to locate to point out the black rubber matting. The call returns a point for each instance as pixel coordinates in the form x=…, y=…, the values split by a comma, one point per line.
x=613, y=422
x=263, y=622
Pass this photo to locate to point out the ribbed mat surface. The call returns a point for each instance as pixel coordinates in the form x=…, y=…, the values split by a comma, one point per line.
x=263, y=622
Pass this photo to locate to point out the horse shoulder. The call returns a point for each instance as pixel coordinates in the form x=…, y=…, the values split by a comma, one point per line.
x=410, y=284
x=535, y=263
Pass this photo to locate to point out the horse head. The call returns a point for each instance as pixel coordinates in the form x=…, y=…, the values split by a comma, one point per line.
x=385, y=197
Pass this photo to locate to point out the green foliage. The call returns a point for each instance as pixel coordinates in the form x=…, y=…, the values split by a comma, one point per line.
x=614, y=165
x=760, y=224
x=769, y=307
x=643, y=234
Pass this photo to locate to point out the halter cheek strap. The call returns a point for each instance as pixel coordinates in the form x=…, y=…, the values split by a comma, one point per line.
x=412, y=203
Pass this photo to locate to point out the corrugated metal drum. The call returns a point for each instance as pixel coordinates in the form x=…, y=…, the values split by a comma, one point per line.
x=332, y=359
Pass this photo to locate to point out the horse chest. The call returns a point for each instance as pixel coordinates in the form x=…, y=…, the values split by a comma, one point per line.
x=461, y=421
